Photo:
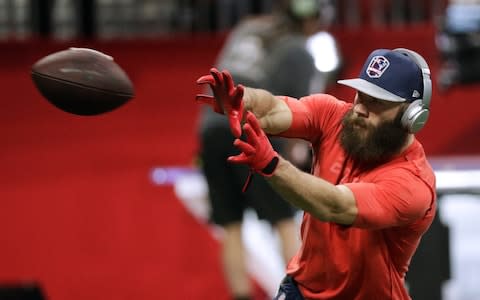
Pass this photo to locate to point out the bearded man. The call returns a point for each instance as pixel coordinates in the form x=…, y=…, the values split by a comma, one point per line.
x=371, y=193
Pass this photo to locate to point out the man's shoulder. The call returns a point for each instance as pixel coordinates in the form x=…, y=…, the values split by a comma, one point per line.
x=321, y=99
x=411, y=166
x=417, y=159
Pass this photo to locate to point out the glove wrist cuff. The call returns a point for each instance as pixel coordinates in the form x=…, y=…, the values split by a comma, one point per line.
x=270, y=167
x=266, y=172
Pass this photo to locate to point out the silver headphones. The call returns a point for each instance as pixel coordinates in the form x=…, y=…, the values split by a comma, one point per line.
x=416, y=114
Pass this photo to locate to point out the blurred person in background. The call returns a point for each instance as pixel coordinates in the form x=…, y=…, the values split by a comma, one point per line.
x=371, y=194
x=266, y=51
x=458, y=41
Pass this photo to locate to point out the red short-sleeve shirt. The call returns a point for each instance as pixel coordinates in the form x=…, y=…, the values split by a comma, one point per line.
x=396, y=205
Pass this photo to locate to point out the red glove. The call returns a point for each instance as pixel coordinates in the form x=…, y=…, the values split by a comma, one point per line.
x=226, y=99
x=257, y=152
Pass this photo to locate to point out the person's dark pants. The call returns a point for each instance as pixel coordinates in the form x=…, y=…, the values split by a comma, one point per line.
x=288, y=290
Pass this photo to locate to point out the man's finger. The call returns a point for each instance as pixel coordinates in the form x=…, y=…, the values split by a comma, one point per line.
x=235, y=125
x=207, y=99
x=217, y=76
x=237, y=96
x=244, y=147
x=238, y=159
x=206, y=79
x=250, y=133
x=254, y=123
x=228, y=80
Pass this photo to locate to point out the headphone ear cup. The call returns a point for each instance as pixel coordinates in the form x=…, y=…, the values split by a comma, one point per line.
x=415, y=116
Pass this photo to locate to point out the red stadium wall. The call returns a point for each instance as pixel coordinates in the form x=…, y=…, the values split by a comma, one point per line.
x=78, y=213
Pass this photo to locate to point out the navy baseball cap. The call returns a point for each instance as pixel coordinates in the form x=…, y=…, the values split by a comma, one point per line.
x=389, y=75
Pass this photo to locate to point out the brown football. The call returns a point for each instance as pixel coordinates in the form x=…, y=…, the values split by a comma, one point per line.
x=82, y=81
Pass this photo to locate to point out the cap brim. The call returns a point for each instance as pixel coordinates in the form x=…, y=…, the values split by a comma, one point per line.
x=371, y=89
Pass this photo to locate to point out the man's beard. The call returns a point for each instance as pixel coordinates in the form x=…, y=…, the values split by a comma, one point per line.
x=369, y=145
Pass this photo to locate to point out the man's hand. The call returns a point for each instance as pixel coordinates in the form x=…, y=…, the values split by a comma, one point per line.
x=226, y=99
x=257, y=152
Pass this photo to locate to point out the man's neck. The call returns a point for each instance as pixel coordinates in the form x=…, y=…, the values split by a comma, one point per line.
x=410, y=139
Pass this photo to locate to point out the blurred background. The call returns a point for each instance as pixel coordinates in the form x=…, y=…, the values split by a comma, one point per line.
x=90, y=207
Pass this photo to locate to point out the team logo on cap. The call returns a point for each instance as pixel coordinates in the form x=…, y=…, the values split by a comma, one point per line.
x=377, y=66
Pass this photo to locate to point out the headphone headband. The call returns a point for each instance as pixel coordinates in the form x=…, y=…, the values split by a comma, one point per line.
x=422, y=64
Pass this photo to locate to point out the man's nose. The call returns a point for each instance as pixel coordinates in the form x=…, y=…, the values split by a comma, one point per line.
x=360, y=109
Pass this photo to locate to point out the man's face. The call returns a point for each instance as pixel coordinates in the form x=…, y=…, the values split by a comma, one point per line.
x=372, y=131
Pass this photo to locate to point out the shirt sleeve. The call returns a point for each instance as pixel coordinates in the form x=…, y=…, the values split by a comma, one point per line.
x=394, y=199
x=314, y=115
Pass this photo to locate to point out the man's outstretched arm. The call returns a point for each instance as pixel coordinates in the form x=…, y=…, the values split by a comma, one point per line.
x=233, y=100
x=272, y=112
x=325, y=201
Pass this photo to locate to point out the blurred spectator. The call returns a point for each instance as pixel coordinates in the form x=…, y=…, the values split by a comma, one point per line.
x=458, y=41
x=266, y=51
